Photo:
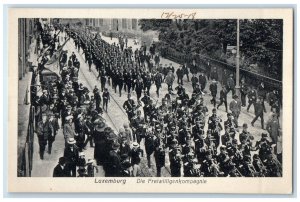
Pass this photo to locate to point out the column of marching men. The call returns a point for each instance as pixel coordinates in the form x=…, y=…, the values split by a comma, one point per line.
x=175, y=128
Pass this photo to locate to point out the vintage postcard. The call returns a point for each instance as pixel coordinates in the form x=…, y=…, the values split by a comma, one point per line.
x=150, y=100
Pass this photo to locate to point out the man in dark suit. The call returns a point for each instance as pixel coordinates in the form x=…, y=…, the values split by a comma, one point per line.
x=114, y=162
x=223, y=98
x=43, y=132
x=235, y=108
x=213, y=90
x=259, y=109
x=71, y=154
x=60, y=169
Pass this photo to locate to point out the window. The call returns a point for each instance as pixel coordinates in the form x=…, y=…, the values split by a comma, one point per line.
x=124, y=24
x=101, y=22
x=134, y=24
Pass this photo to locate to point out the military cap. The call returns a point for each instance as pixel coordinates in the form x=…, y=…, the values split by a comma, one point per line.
x=245, y=125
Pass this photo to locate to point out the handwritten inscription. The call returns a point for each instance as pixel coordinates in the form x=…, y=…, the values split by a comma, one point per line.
x=173, y=15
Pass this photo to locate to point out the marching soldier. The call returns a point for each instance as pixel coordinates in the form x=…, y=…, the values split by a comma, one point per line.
x=139, y=87
x=215, y=126
x=149, y=145
x=137, y=123
x=245, y=134
x=106, y=99
x=129, y=106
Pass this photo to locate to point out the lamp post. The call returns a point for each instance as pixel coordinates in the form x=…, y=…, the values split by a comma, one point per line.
x=237, y=74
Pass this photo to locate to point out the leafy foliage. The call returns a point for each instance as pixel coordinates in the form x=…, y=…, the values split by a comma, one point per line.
x=260, y=39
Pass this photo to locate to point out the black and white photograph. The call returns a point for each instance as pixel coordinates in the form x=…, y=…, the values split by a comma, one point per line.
x=174, y=96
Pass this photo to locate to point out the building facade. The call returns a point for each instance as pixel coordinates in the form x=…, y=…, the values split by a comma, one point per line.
x=114, y=24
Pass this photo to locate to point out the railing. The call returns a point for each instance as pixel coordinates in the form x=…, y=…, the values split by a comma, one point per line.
x=254, y=77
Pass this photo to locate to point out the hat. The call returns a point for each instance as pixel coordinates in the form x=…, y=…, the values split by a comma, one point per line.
x=69, y=117
x=234, y=141
x=81, y=170
x=62, y=160
x=69, y=107
x=264, y=135
x=214, y=110
x=135, y=144
x=235, y=96
x=90, y=161
x=71, y=141
x=100, y=126
x=223, y=147
x=229, y=114
x=245, y=125
x=115, y=146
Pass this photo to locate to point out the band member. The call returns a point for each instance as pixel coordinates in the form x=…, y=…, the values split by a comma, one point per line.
x=106, y=99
